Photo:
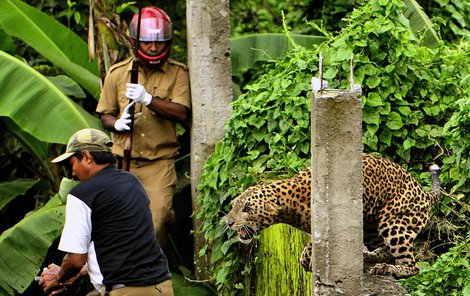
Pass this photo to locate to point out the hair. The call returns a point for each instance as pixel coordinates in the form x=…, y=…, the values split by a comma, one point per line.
x=100, y=157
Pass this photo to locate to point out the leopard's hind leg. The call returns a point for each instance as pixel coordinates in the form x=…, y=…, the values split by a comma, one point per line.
x=399, y=240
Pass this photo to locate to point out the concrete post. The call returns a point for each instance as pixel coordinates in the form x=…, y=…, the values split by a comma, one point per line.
x=336, y=193
x=208, y=26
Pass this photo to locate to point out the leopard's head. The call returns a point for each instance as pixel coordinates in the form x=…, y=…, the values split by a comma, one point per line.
x=252, y=211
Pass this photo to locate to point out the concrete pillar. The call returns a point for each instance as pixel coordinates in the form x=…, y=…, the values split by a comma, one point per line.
x=208, y=26
x=336, y=193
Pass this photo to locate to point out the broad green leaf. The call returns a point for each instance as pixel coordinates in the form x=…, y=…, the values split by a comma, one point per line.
x=10, y=190
x=405, y=110
x=394, y=121
x=420, y=22
x=373, y=81
x=67, y=85
x=51, y=39
x=386, y=137
x=372, y=128
x=374, y=99
x=39, y=150
x=249, y=49
x=24, y=246
x=408, y=143
x=6, y=42
x=371, y=118
x=37, y=106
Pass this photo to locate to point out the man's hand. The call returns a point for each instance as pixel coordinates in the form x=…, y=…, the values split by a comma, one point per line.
x=49, y=280
x=55, y=279
x=137, y=93
x=122, y=124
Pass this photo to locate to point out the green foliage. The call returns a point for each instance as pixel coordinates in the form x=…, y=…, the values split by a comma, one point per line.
x=252, y=16
x=23, y=86
x=10, y=190
x=449, y=275
x=451, y=16
x=54, y=41
x=248, y=50
x=409, y=93
x=401, y=118
x=457, y=129
x=24, y=246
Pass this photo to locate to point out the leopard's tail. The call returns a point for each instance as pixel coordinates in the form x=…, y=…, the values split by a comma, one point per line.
x=435, y=194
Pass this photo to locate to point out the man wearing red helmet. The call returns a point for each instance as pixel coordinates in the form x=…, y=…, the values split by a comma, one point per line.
x=161, y=98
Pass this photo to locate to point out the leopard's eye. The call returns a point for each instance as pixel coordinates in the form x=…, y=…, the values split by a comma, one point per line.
x=246, y=208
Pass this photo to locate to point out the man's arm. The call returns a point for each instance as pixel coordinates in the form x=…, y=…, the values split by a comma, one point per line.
x=108, y=120
x=169, y=110
x=71, y=266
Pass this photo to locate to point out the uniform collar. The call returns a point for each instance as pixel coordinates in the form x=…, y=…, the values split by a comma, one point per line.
x=163, y=68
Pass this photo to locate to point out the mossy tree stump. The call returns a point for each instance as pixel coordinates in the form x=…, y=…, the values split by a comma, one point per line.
x=277, y=268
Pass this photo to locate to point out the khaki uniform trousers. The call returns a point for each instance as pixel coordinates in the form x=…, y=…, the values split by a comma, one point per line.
x=159, y=180
x=162, y=289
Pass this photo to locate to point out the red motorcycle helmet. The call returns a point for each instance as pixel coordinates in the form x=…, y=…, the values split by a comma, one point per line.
x=155, y=25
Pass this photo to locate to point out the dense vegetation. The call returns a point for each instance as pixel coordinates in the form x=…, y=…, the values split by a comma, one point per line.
x=416, y=102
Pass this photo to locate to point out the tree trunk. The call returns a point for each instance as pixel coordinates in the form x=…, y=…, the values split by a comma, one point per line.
x=208, y=26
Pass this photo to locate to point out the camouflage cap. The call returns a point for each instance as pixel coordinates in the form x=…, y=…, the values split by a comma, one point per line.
x=89, y=139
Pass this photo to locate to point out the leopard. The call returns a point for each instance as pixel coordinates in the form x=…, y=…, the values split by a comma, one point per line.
x=395, y=210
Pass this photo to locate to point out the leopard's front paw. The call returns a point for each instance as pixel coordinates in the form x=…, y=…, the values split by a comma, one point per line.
x=306, y=258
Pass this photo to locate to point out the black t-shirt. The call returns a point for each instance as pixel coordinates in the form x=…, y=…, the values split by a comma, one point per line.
x=108, y=217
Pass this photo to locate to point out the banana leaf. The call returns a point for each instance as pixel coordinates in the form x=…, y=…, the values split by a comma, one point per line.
x=247, y=50
x=10, y=190
x=420, y=22
x=68, y=86
x=37, y=106
x=24, y=246
x=54, y=41
x=39, y=150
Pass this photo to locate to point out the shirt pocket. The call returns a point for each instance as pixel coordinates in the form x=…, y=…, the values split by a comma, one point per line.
x=162, y=92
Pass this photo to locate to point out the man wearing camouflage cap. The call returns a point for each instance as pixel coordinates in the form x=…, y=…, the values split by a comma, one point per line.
x=108, y=226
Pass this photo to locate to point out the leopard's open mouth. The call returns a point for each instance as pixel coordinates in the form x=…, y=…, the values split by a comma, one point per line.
x=245, y=234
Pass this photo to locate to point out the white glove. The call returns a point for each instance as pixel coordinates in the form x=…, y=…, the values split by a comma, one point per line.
x=122, y=124
x=137, y=93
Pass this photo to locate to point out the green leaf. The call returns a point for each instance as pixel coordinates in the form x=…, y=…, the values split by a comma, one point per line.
x=10, y=190
x=405, y=110
x=394, y=121
x=67, y=85
x=37, y=106
x=374, y=99
x=386, y=137
x=344, y=54
x=24, y=246
x=420, y=22
x=409, y=143
x=466, y=290
x=249, y=49
x=371, y=118
x=373, y=82
x=53, y=40
x=39, y=150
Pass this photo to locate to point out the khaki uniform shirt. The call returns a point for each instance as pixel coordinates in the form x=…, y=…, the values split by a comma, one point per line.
x=154, y=137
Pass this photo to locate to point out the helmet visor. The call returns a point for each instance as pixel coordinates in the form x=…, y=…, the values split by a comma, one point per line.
x=152, y=29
